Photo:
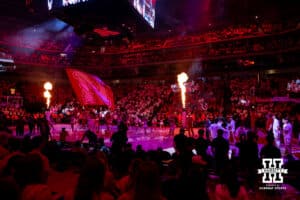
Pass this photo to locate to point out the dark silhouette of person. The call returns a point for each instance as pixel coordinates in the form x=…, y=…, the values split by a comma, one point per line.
x=91, y=181
x=242, y=145
x=4, y=123
x=193, y=186
x=45, y=129
x=9, y=189
x=20, y=123
x=31, y=176
x=122, y=127
x=31, y=124
x=119, y=138
x=230, y=187
x=179, y=141
x=220, y=147
x=201, y=144
x=190, y=125
x=145, y=183
x=249, y=157
x=91, y=136
x=63, y=136
x=270, y=150
x=182, y=158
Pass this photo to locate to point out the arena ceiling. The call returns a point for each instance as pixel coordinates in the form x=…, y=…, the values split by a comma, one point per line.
x=172, y=16
x=175, y=16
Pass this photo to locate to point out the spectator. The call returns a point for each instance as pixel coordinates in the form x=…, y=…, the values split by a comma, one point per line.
x=91, y=136
x=146, y=184
x=220, y=148
x=230, y=187
x=90, y=182
x=32, y=178
x=270, y=150
x=9, y=189
x=201, y=145
x=63, y=136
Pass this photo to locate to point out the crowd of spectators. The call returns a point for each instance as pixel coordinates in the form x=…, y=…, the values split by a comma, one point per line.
x=205, y=100
x=293, y=87
x=153, y=104
x=6, y=87
x=156, y=105
x=238, y=47
x=260, y=96
x=142, y=104
x=214, y=35
x=120, y=172
x=137, y=106
x=202, y=98
x=54, y=43
x=10, y=101
x=179, y=172
x=38, y=48
x=246, y=89
x=232, y=40
x=42, y=58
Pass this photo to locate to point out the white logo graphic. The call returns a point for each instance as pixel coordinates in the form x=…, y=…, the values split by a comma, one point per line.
x=272, y=170
x=50, y=3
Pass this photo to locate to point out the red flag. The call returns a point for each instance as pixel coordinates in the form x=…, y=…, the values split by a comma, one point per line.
x=104, y=32
x=89, y=89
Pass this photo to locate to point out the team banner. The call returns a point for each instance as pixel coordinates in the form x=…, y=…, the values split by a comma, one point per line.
x=89, y=89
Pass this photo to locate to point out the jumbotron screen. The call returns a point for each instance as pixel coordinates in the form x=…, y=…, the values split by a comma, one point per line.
x=62, y=3
x=146, y=8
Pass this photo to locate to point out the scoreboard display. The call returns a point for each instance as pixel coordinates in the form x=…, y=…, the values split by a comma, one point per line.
x=53, y=4
x=146, y=8
x=120, y=10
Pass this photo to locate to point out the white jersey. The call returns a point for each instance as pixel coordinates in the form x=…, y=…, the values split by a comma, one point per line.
x=276, y=132
x=231, y=126
x=213, y=128
x=287, y=130
x=276, y=127
x=241, y=130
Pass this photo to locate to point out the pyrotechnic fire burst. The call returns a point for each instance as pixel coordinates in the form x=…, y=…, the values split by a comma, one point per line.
x=182, y=78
